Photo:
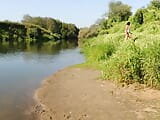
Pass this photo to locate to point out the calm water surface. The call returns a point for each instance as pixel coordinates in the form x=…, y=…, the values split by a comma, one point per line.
x=22, y=69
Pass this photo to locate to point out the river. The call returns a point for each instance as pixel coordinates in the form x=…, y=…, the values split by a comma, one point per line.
x=23, y=68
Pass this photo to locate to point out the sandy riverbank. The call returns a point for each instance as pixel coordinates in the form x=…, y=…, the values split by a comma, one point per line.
x=79, y=94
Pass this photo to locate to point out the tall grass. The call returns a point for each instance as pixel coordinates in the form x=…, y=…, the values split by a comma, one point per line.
x=126, y=61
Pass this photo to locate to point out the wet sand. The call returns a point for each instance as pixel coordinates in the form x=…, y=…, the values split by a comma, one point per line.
x=80, y=94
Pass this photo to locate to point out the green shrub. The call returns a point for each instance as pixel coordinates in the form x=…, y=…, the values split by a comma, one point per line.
x=126, y=61
x=125, y=65
x=152, y=64
x=155, y=4
x=138, y=17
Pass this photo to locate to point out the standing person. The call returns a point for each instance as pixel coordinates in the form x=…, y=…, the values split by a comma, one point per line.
x=127, y=31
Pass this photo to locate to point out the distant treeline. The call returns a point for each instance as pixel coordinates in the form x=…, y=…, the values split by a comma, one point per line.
x=37, y=29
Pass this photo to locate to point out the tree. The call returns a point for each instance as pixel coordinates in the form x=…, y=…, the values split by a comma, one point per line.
x=66, y=31
x=26, y=18
x=139, y=17
x=118, y=11
x=50, y=24
x=69, y=31
x=155, y=4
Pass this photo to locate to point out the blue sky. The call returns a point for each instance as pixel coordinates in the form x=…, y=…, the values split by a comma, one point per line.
x=80, y=12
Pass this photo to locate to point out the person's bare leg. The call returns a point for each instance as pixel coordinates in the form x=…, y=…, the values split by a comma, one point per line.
x=126, y=36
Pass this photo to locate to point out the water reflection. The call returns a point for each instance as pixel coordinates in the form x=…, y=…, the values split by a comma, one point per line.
x=42, y=48
x=23, y=67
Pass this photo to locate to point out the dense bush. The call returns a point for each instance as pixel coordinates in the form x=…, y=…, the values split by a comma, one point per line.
x=12, y=31
x=69, y=31
x=155, y=4
x=101, y=48
x=127, y=61
x=139, y=17
x=149, y=28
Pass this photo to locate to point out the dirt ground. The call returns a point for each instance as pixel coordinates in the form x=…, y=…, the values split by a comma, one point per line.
x=80, y=94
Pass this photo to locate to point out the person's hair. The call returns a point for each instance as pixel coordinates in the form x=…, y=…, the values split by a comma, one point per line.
x=128, y=23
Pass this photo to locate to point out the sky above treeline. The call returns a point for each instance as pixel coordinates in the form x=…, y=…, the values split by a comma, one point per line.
x=79, y=12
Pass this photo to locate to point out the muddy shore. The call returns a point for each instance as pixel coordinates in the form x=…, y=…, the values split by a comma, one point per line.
x=80, y=94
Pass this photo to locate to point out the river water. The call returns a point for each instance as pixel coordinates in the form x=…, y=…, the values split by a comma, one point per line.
x=23, y=68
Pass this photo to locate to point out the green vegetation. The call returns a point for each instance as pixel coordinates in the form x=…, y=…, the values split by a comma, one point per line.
x=136, y=60
x=65, y=31
x=87, y=33
x=37, y=30
x=118, y=11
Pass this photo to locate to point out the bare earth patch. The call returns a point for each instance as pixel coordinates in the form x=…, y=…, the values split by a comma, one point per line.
x=79, y=94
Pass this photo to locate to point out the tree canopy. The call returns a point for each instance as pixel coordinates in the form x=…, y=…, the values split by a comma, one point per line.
x=37, y=30
x=155, y=4
x=66, y=31
x=139, y=17
x=119, y=11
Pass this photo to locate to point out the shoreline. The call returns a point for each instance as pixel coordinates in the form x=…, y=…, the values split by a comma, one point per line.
x=39, y=108
x=40, y=111
x=78, y=94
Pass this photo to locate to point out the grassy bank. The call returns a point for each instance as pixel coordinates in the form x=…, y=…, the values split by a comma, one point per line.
x=126, y=61
x=136, y=60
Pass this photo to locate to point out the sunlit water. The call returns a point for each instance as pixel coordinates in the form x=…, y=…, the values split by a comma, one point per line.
x=22, y=71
